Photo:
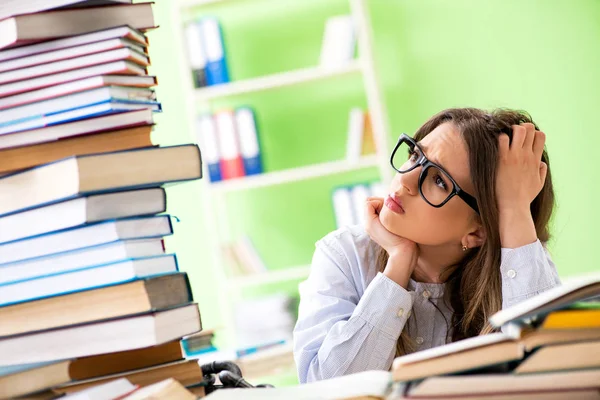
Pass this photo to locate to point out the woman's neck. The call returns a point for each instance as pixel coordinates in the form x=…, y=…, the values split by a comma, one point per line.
x=432, y=265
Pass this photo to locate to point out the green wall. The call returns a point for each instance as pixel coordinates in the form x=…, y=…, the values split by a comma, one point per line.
x=542, y=56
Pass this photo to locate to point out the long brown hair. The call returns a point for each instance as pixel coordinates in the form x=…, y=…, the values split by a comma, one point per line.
x=473, y=287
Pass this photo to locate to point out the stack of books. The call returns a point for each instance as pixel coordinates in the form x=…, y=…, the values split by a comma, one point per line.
x=548, y=349
x=87, y=293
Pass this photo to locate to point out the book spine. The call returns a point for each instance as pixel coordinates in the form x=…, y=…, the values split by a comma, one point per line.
x=355, y=134
x=216, y=66
x=207, y=136
x=342, y=207
x=232, y=165
x=248, y=137
x=339, y=41
x=359, y=195
x=196, y=53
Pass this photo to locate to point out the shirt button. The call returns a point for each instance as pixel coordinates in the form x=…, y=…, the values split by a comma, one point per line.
x=426, y=294
x=400, y=312
x=511, y=273
x=419, y=340
x=408, y=313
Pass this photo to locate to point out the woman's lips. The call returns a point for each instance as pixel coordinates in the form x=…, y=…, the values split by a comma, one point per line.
x=393, y=203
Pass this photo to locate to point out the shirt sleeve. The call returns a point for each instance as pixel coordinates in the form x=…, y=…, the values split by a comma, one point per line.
x=526, y=271
x=338, y=332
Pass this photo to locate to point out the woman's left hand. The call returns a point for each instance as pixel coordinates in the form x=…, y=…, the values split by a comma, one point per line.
x=521, y=172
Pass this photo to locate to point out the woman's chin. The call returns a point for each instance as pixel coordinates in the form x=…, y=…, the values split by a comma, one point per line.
x=389, y=220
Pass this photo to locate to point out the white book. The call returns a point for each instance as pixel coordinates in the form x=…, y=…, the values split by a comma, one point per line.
x=84, y=112
x=87, y=236
x=211, y=35
x=369, y=384
x=80, y=259
x=75, y=100
x=85, y=279
x=342, y=207
x=101, y=337
x=106, y=391
x=16, y=7
x=71, y=52
x=117, y=67
x=228, y=143
x=81, y=211
x=72, y=41
x=206, y=134
x=455, y=347
x=339, y=41
x=81, y=127
x=75, y=63
x=359, y=195
x=356, y=124
x=77, y=86
x=166, y=389
x=194, y=46
x=246, y=129
x=572, y=290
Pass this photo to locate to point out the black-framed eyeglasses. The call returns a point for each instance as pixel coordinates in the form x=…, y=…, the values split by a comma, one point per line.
x=436, y=186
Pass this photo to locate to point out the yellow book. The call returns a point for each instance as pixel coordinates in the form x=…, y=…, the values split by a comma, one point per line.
x=567, y=319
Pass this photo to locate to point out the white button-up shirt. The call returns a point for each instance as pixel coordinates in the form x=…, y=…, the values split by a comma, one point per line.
x=351, y=316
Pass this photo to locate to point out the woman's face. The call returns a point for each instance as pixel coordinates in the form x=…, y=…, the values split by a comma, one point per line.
x=420, y=222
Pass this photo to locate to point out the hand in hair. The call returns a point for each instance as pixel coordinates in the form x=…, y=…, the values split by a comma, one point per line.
x=403, y=253
x=520, y=177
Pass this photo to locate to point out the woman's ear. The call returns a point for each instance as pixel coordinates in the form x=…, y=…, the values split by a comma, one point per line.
x=474, y=238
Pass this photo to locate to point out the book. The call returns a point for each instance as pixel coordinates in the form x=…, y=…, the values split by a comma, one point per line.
x=491, y=384
x=124, y=32
x=10, y=8
x=53, y=56
x=339, y=41
x=355, y=134
x=91, y=235
x=569, y=319
x=80, y=211
x=196, y=53
x=206, y=133
x=77, y=128
x=52, y=92
x=362, y=385
x=248, y=139
x=81, y=258
x=562, y=357
x=47, y=375
x=79, y=175
x=342, y=207
x=115, y=67
x=109, y=336
x=216, y=64
x=168, y=389
x=107, y=107
x=89, y=278
x=123, y=54
x=108, y=391
x=129, y=298
x=73, y=101
x=232, y=165
x=16, y=159
x=187, y=372
x=468, y=354
x=359, y=195
x=571, y=291
x=19, y=29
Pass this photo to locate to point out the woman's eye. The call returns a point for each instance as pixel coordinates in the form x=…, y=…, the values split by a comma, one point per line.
x=440, y=182
x=412, y=155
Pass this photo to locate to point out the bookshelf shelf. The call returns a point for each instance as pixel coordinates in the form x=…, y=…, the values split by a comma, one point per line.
x=196, y=3
x=294, y=175
x=281, y=275
x=279, y=80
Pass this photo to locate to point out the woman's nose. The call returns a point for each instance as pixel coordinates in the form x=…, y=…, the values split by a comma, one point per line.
x=409, y=181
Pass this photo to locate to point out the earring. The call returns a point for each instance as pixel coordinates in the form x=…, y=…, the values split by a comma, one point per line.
x=465, y=248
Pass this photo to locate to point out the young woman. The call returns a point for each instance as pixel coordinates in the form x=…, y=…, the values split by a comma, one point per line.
x=460, y=235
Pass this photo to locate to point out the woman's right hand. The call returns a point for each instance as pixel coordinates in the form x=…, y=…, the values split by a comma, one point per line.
x=403, y=253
